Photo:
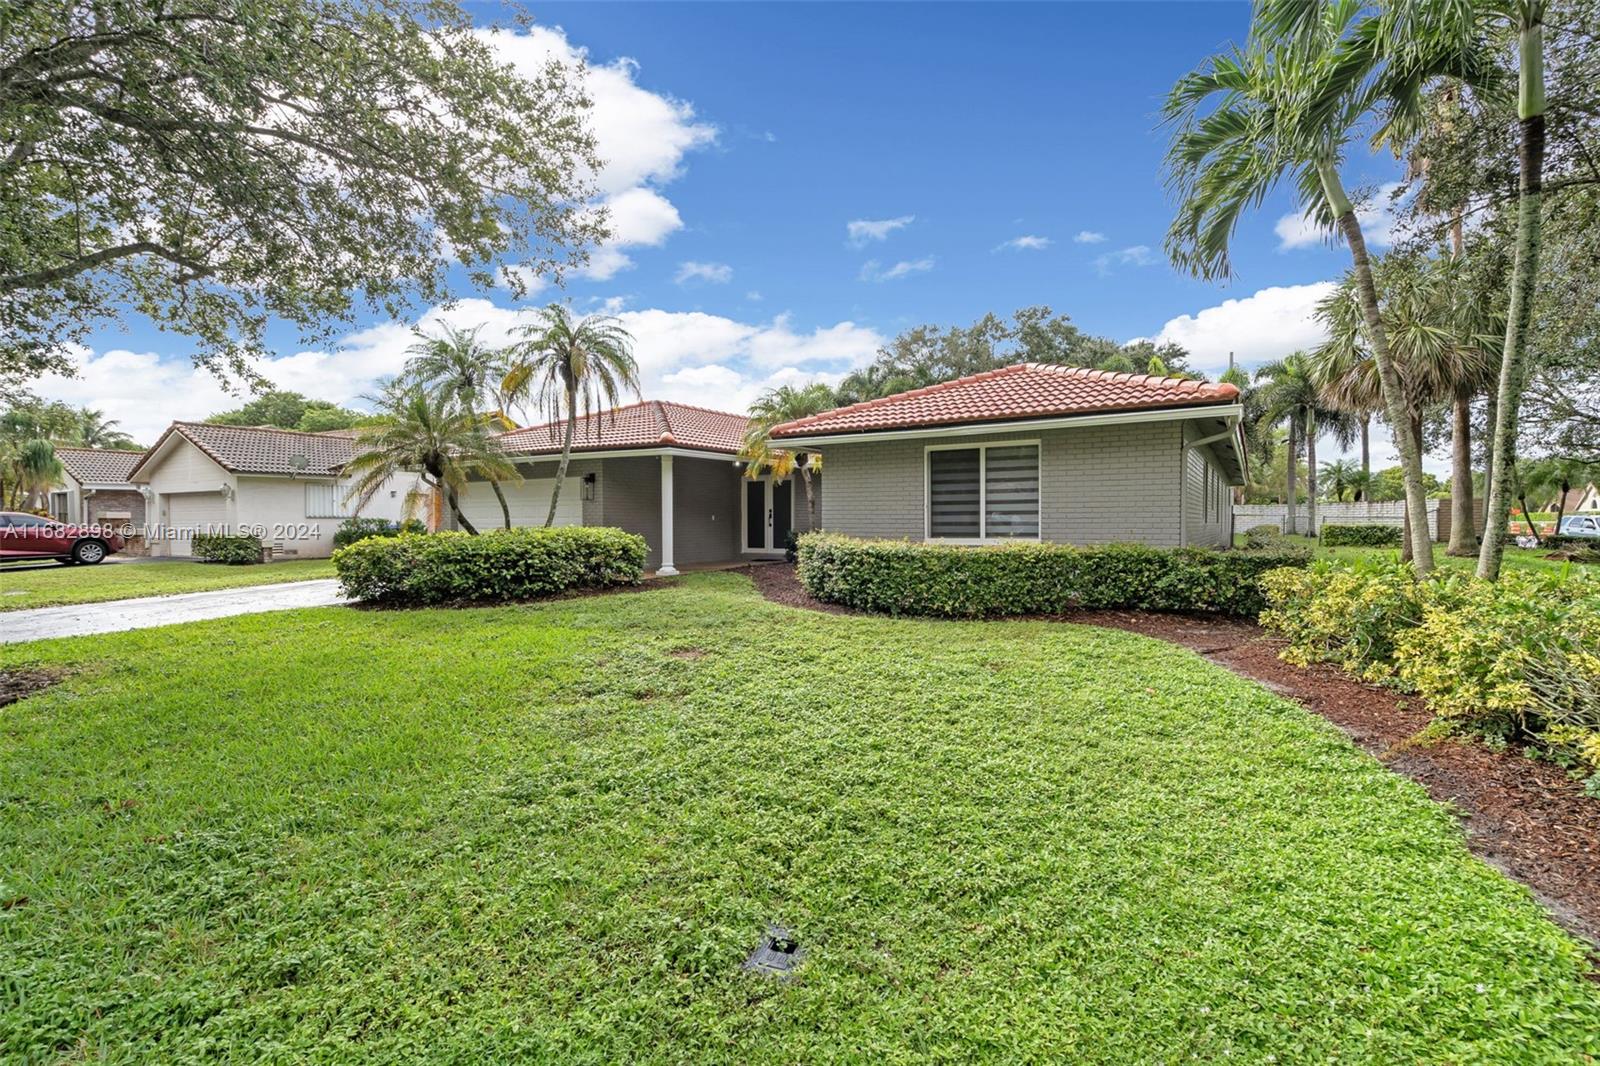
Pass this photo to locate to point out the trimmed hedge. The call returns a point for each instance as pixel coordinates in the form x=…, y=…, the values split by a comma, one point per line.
x=1265, y=535
x=1361, y=536
x=352, y=530
x=951, y=581
x=500, y=565
x=224, y=548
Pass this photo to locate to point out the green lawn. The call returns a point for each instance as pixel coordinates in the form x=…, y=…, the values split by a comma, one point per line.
x=1515, y=558
x=56, y=585
x=552, y=833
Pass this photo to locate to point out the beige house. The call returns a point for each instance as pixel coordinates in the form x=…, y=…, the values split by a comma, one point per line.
x=95, y=489
x=280, y=485
x=666, y=471
x=1034, y=452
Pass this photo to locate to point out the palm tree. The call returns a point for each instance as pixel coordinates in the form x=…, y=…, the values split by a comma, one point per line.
x=37, y=471
x=461, y=369
x=1442, y=341
x=1285, y=108
x=1360, y=483
x=566, y=360
x=776, y=406
x=95, y=430
x=421, y=431
x=1339, y=475
x=1289, y=392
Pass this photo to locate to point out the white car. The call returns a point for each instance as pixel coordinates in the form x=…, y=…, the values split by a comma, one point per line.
x=1581, y=525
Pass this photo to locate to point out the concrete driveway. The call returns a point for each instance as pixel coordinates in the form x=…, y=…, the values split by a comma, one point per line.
x=85, y=619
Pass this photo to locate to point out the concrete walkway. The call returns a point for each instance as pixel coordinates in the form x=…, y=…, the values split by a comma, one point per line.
x=84, y=619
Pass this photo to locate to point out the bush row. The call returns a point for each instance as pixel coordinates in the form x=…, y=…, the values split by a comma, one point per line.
x=503, y=564
x=225, y=548
x=352, y=530
x=1366, y=536
x=1514, y=659
x=1265, y=535
x=950, y=581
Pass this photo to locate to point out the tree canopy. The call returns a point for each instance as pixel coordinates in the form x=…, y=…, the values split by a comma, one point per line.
x=290, y=410
x=928, y=354
x=213, y=166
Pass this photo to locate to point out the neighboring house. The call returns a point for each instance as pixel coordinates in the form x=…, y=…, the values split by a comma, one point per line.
x=278, y=484
x=95, y=489
x=1577, y=501
x=665, y=471
x=1033, y=452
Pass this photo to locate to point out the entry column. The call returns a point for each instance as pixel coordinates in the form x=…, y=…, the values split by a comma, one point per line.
x=666, y=569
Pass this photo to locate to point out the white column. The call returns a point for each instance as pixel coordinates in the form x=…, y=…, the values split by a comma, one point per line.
x=666, y=569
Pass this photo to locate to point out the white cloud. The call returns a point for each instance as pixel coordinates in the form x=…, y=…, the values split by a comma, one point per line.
x=753, y=296
x=689, y=356
x=641, y=137
x=1267, y=325
x=1028, y=242
x=1089, y=236
x=872, y=270
x=864, y=230
x=1138, y=255
x=716, y=273
x=1376, y=215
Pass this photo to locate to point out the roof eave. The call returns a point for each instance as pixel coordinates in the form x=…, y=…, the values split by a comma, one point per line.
x=1219, y=409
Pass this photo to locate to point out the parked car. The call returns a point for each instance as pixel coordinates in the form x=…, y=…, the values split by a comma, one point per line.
x=28, y=536
x=1580, y=525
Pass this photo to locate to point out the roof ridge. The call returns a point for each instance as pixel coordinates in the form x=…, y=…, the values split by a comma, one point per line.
x=322, y=434
x=921, y=390
x=659, y=406
x=97, y=451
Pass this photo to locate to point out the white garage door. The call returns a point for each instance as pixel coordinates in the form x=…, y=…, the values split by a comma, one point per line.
x=529, y=502
x=193, y=512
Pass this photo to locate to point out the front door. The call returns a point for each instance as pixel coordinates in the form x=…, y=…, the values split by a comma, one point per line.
x=768, y=515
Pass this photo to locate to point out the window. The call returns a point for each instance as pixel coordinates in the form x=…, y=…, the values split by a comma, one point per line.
x=326, y=499
x=984, y=492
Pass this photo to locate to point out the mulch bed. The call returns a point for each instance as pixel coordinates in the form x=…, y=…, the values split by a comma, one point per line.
x=1525, y=817
x=15, y=684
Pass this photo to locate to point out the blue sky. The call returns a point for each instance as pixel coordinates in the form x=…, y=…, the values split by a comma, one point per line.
x=990, y=156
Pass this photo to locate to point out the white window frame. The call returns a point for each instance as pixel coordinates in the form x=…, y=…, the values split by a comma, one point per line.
x=982, y=448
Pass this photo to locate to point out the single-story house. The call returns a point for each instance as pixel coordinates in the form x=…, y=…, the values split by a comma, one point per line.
x=1578, y=500
x=666, y=471
x=281, y=485
x=95, y=489
x=1033, y=452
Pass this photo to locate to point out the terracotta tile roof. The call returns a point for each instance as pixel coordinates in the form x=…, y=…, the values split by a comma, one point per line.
x=1022, y=391
x=650, y=424
x=264, y=449
x=98, y=466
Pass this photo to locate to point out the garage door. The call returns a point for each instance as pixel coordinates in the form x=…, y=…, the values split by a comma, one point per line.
x=529, y=502
x=192, y=512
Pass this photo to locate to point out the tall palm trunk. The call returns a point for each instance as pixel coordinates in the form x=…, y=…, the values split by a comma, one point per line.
x=1366, y=444
x=566, y=451
x=1491, y=411
x=1311, y=472
x=1463, y=538
x=1524, y=274
x=450, y=498
x=1393, y=395
x=811, y=492
x=1294, y=459
x=505, y=508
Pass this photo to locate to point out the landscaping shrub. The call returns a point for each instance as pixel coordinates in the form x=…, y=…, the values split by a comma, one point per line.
x=1334, y=536
x=1514, y=659
x=1266, y=535
x=503, y=564
x=225, y=548
x=352, y=530
x=901, y=577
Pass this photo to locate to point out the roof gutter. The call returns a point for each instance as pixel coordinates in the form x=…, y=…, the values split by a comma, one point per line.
x=972, y=429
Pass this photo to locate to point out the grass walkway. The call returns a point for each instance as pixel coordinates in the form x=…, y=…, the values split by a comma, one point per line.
x=554, y=832
x=58, y=585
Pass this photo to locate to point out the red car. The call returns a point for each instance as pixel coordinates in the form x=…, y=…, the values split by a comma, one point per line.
x=27, y=536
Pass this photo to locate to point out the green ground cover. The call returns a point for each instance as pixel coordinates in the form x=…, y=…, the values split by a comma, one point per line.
x=554, y=832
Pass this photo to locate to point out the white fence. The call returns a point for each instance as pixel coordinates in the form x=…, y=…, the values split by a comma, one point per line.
x=1383, y=513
